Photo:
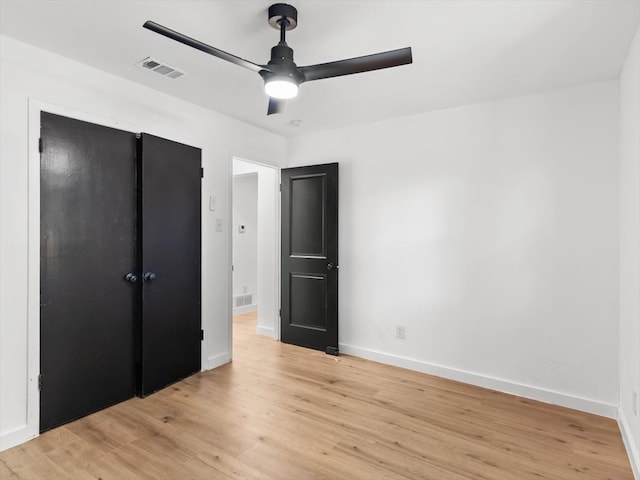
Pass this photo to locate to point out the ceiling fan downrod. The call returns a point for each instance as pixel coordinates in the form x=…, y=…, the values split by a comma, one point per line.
x=283, y=22
x=283, y=17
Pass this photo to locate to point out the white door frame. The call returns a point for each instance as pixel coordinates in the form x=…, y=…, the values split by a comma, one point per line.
x=275, y=277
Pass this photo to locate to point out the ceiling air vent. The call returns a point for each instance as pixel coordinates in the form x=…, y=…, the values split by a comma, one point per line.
x=161, y=68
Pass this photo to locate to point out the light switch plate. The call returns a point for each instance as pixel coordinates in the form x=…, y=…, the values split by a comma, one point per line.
x=212, y=203
x=218, y=224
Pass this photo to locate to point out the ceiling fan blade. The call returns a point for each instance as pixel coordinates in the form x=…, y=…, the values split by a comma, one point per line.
x=377, y=61
x=276, y=105
x=203, y=47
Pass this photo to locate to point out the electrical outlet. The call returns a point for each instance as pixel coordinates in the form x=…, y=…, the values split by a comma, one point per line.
x=634, y=402
x=399, y=331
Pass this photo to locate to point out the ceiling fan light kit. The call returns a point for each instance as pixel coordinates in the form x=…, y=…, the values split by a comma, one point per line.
x=281, y=75
x=281, y=88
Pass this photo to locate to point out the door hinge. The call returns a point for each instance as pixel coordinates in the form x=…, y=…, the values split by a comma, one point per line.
x=40, y=146
x=40, y=382
x=280, y=313
x=201, y=172
x=201, y=334
x=280, y=187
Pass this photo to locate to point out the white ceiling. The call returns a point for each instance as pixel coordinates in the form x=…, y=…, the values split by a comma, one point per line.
x=464, y=51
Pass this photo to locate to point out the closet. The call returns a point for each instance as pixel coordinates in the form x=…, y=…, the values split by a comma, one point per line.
x=120, y=266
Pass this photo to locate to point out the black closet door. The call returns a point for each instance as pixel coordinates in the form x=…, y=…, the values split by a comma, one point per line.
x=87, y=247
x=169, y=182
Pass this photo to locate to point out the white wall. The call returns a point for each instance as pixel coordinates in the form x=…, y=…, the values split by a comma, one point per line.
x=27, y=73
x=245, y=244
x=630, y=250
x=268, y=244
x=490, y=232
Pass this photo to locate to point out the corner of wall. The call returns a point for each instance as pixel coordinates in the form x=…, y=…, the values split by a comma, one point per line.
x=629, y=264
x=632, y=448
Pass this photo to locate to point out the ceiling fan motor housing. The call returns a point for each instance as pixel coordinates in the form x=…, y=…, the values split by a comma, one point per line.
x=282, y=63
x=280, y=71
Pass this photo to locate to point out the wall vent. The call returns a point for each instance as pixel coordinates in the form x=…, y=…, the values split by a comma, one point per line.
x=161, y=68
x=242, y=300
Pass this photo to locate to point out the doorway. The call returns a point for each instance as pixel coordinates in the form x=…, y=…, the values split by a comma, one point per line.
x=256, y=244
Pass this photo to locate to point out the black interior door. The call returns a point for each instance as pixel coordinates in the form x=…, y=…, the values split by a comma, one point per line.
x=309, y=271
x=87, y=247
x=170, y=246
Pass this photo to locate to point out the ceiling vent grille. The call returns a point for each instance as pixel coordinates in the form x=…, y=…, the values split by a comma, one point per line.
x=161, y=68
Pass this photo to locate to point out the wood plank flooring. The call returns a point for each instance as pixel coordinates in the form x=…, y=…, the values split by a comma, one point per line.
x=280, y=412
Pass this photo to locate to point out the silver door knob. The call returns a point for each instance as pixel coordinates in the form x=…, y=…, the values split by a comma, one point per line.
x=149, y=276
x=130, y=277
x=331, y=266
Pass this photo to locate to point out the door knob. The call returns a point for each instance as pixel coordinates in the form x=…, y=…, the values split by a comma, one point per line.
x=331, y=266
x=130, y=277
x=149, y=276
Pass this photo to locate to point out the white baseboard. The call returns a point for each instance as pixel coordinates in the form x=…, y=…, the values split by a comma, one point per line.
x=245, y=309
x=266, y=331
x=632, y=448
x=218, y=360
x=527, y=391
x=15, y=437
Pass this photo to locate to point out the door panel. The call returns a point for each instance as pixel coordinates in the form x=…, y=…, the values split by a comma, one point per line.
x=309, y=315
x=307, y=215
x=170, y=243
x=87, y=308
x=308, y=306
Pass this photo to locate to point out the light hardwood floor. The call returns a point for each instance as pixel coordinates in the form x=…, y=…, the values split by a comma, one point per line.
x=280, y=412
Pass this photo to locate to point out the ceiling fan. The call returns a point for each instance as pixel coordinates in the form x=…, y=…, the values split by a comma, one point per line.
x=281, y=75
